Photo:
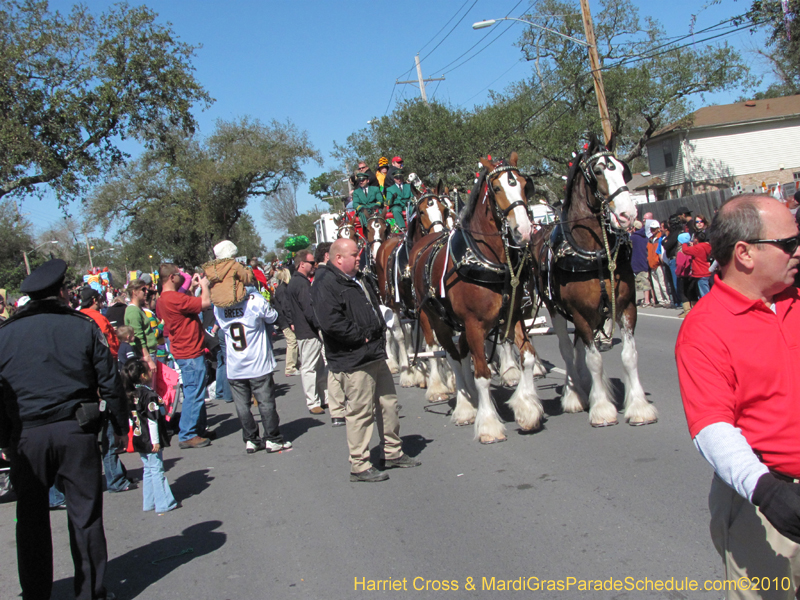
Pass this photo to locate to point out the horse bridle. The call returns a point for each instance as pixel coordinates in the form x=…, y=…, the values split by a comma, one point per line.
x=418, y=209
x=586, y=165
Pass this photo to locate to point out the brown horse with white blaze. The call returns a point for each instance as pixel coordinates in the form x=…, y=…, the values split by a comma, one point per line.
x=469, y=281
x=584, y=275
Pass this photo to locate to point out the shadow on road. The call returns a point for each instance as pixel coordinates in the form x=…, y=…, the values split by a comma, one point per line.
x=294, y=429
x=190, y=484
x=225, y=425
x=129, y=575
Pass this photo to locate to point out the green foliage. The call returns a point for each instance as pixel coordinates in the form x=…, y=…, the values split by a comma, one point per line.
x=72, y=85
x=177, y=205
x=782, y=52
x=329, y=187
x=15, y=238
x=435, y=141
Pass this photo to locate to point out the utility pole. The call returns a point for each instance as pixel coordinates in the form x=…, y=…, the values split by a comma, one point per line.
x=594, y=62
x=420, y=81
x=89, y=250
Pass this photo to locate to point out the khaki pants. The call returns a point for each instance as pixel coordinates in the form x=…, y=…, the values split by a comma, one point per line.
x=370, y=392
x=659, y=286
x=312, y=371
x=750, y=547
x=335, y=395
x=291, y=351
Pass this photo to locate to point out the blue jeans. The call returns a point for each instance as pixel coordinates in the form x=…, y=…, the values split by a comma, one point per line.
x=704, y=285
x=223, y=389
x=156, y=494
x=263, y=388
x=56, y=497
x=116, y=475
x=672, y=264
x=193, y=409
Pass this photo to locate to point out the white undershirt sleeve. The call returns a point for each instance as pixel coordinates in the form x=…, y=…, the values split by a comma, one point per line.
x=734, y=461
x=152, y=425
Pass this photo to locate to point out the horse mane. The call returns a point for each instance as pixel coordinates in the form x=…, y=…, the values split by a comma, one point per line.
x=574, y=171
x=472, y=201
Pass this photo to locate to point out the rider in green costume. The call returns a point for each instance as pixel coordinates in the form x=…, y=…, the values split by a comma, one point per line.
x=367, y=199
x=397, y=198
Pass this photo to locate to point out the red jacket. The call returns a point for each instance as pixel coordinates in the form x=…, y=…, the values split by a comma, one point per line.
x=700, y=263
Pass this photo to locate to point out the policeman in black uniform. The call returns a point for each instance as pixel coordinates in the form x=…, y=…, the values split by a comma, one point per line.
x=53, y=363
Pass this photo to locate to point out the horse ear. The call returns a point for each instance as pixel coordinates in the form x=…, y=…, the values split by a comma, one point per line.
x=512, y=160
x=485, y=162
x=440, y=188
x=612, y=142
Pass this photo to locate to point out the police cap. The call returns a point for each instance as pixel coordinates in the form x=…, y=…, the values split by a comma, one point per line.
x=49, y=275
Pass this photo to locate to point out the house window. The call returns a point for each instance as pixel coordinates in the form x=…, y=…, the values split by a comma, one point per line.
x=668, y=160
x=796, y=176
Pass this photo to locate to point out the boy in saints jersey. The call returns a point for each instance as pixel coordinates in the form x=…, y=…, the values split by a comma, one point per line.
x=250, y=366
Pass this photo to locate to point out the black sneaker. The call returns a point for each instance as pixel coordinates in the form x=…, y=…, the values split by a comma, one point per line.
x=337, y=422
x=370, y=475
x=404, y=462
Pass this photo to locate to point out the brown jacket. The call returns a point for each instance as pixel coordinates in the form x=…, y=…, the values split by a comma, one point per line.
x=227, y=279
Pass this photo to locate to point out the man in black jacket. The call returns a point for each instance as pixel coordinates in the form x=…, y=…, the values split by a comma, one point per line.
x=306, y=330
x=348, y=313
x=49, y=421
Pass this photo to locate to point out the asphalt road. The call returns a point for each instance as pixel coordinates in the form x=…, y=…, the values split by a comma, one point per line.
x=566, y=502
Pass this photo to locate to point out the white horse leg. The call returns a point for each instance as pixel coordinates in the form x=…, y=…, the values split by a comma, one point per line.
x=539, y=370
x=525, y=402
x=509, y=371
x=418, y=370
x=638, y=411
x=437, y=390
x=602, y=411
x=464, y=413
x=489, y=429
x=572, y=399
x=448, y=376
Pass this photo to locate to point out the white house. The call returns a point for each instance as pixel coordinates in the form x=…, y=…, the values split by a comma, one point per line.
x=740, y=145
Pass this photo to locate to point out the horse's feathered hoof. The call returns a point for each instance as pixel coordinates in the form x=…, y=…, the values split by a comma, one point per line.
x=492, y=440
x=641, y=423
x=605, y=424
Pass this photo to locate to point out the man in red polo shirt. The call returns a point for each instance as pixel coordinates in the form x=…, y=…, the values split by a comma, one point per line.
x=180, y=313
x=737, y=355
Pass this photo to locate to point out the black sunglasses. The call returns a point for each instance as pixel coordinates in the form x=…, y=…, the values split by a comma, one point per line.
x=788, y=245
x=311, y=262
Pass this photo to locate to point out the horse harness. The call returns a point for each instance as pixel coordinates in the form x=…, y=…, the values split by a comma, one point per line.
x=563, y=252
x=397, y=263
x=472, y=265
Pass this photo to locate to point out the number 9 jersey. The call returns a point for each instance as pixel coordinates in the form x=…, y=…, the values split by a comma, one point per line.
x=247, y=339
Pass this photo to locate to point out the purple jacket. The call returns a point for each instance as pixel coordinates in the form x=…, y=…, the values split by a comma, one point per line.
x=639, y=256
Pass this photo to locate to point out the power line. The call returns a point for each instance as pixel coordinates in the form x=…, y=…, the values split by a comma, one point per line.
x=394, y=87
x=449, y=32
x=493, y=82
x=443, y=26
x=608, y=68
x=485, y=35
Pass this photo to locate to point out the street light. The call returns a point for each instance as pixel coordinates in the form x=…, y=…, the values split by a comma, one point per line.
x=490, y=22
x=25, y=254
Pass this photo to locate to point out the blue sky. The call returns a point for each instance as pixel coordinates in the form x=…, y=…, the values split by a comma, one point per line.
x=330, y=66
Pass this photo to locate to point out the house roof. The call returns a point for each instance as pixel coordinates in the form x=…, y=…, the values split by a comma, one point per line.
x=640, y=181
x=732, y=114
